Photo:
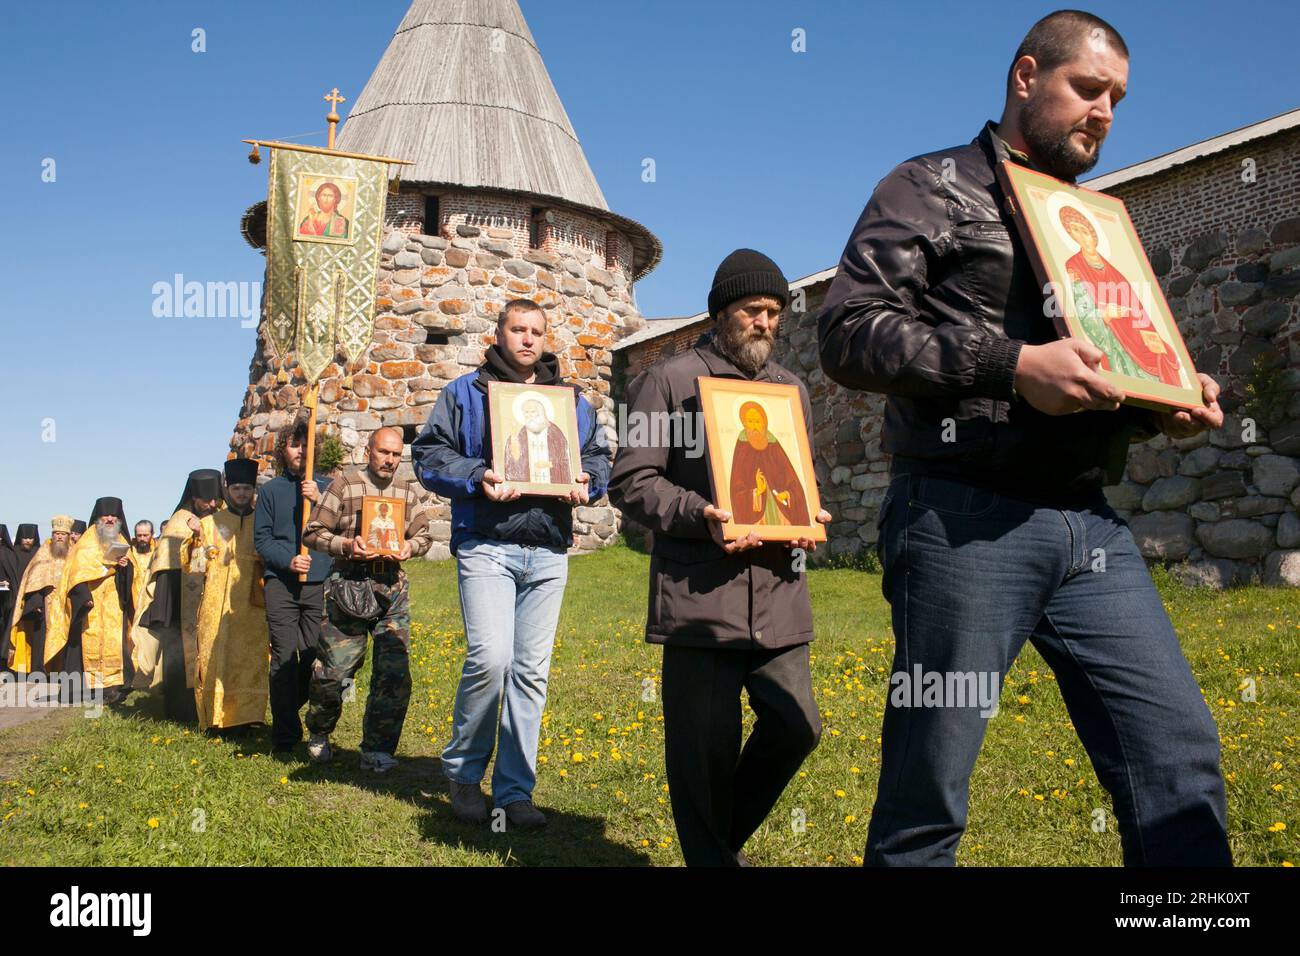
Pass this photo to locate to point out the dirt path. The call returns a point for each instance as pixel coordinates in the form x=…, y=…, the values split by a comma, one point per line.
x=25, y=731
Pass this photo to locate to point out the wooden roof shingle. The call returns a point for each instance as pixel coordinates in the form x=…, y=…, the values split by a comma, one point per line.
x=463, y=92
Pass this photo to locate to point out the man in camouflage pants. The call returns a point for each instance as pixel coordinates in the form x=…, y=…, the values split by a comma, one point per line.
x=333, y=528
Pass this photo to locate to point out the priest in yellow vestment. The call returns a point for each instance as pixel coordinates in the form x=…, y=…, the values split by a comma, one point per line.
x=25, y=647
x=165, y=636
x=232, y=682
x=143, y=546
x=90, y=616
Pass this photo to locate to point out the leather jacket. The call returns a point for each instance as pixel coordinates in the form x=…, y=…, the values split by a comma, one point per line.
x=934, y=298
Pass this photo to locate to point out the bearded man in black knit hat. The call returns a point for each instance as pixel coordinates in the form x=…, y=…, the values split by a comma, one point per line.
x=730, y=615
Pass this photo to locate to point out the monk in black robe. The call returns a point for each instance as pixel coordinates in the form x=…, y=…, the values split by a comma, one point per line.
x=9, y=578
x=26, y=543
x=765, y=488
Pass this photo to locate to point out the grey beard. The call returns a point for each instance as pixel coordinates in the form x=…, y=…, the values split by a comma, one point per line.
x=536, y=427
x=107, y=533
x=59, y=549
x=1051, y=149
x=748, y=353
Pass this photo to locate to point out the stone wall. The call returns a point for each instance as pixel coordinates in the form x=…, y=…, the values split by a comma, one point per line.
x=437, y=300
x=1223, y=235
x=1222, y=506
x=637, y=358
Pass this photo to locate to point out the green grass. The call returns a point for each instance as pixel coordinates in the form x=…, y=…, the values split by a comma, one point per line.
x=89, y=794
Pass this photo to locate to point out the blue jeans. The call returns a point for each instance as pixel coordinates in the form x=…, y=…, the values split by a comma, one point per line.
x=510, y=596
x=970, y=575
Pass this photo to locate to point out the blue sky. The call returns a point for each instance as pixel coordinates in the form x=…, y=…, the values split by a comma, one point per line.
x=754, y=144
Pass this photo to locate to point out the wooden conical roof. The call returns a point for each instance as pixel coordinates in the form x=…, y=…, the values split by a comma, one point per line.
x=463, y=92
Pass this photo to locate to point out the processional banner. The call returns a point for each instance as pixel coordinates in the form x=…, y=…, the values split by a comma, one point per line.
x=324, y=223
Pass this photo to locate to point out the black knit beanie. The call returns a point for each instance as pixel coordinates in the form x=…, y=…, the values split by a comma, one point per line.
x=746, y=272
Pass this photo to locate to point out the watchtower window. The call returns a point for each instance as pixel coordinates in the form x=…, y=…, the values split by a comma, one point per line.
x=432, y=219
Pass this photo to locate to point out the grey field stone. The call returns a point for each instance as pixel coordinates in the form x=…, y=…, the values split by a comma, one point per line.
x=1166, y=536
x=1235, y=538
x=1168, y=494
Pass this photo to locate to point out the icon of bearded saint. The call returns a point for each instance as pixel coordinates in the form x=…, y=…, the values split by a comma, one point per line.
x=325, y=220
x=538, y=452
x=765, y=488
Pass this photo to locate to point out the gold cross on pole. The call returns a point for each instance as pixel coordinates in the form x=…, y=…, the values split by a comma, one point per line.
x=334, y=99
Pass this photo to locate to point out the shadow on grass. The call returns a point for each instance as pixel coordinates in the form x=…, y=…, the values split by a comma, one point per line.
x=569, y=839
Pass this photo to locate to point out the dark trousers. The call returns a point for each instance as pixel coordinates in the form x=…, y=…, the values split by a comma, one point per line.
x=293, y=616
x=342, y=651
x=721, y=792
x=970, y=576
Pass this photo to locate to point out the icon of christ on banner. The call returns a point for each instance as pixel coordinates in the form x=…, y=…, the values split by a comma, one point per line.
x=325, y=204
x=765, y=487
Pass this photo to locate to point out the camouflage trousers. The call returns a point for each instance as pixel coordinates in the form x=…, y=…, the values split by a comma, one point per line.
x=341, y=652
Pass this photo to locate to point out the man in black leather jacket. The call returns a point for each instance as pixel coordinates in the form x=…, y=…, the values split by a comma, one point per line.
x=994, y=529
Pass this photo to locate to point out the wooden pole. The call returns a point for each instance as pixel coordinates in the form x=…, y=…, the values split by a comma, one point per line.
x=308, y=467
x=273, y=144
x=333, y=98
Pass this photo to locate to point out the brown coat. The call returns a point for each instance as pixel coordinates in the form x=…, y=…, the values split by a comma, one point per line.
x=700, y=596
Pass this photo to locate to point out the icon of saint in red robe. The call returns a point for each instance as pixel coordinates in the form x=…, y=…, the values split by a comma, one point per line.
x=1111, y=312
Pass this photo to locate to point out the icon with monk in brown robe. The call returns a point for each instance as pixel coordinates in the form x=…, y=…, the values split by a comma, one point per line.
x=765, y=488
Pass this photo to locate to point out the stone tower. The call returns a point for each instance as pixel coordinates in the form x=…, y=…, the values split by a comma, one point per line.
x=500, y=203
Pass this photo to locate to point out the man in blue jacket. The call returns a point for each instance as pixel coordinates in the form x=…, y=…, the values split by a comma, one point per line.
x=512, y=565
x=293, y=608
